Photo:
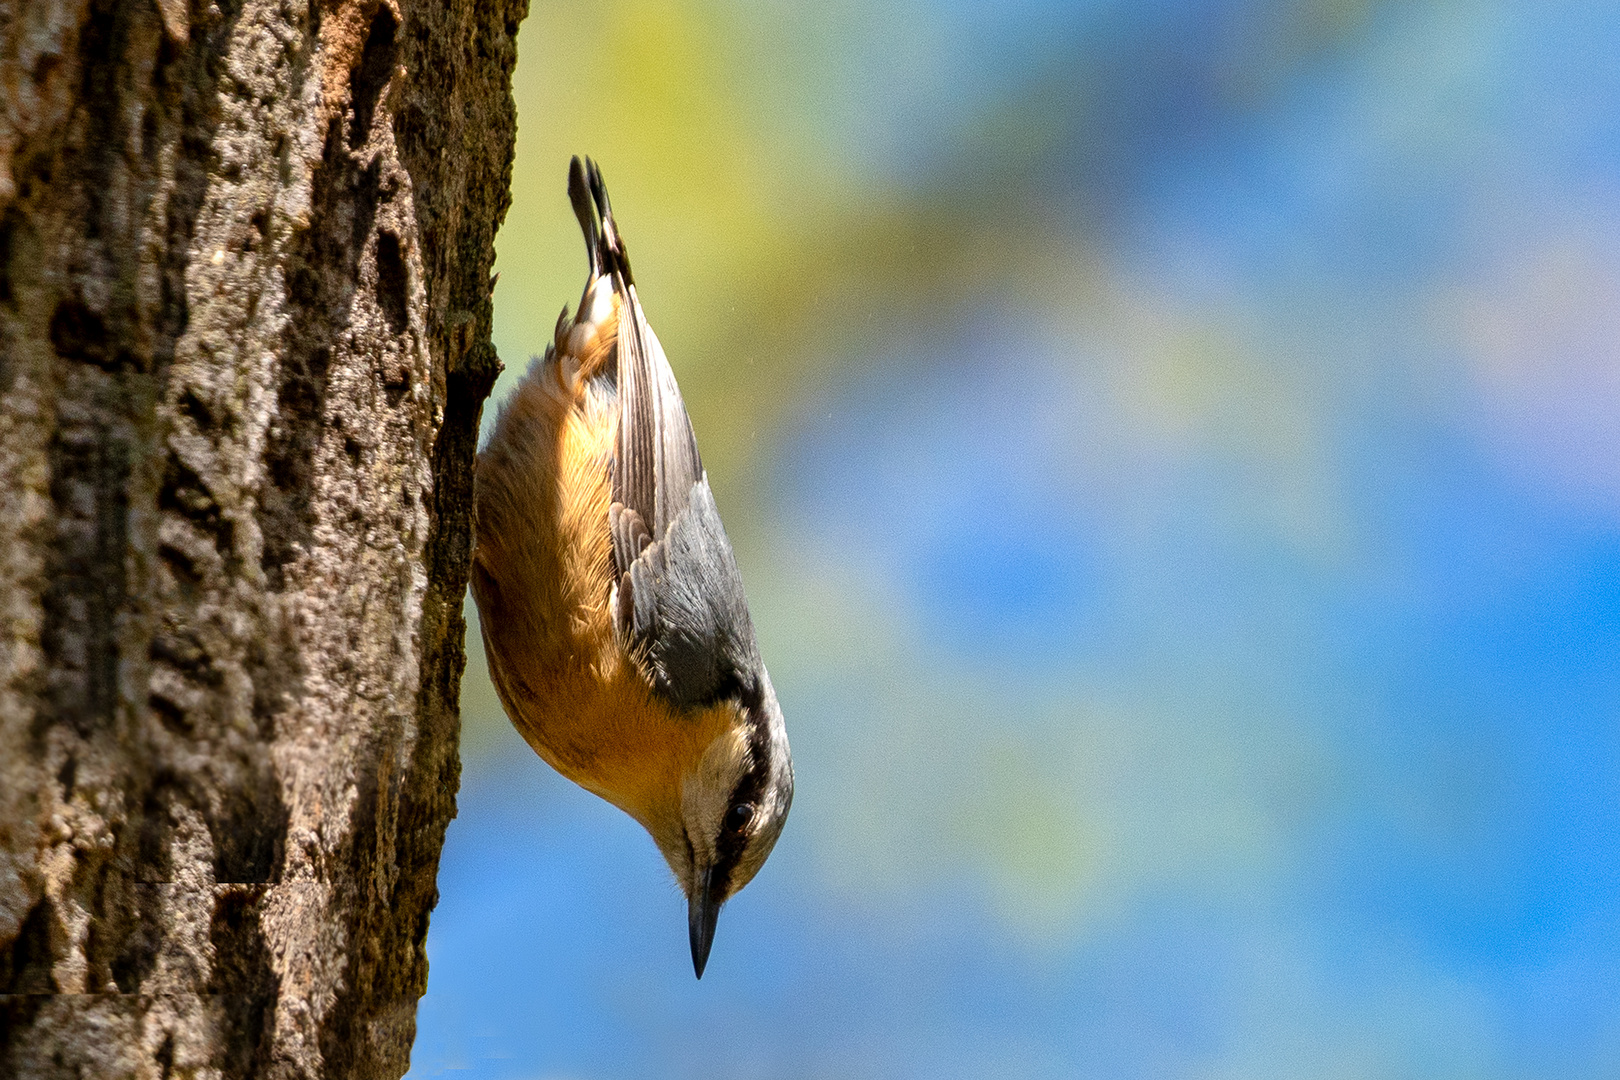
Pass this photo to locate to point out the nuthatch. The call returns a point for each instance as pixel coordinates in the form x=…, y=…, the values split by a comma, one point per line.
x=614, y=619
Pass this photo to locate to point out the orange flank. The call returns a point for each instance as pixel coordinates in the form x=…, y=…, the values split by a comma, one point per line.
x=561, y=675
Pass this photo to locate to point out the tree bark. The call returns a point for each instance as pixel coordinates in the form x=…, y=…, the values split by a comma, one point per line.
x=245, y=249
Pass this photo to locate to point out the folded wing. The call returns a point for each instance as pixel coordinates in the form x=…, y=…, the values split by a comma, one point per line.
x=679, y=604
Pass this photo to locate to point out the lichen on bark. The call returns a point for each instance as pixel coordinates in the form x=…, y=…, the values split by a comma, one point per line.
x=245, y=249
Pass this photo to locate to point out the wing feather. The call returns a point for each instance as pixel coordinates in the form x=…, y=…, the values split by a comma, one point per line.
x=678, y=603
x=658, y=460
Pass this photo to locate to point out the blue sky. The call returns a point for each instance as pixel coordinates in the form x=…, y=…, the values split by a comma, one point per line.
x=1199, y=646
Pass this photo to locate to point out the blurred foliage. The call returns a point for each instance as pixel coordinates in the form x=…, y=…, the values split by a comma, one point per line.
x=750, y=152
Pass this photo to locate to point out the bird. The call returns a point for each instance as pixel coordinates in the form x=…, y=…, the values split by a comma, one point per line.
x=614, y=621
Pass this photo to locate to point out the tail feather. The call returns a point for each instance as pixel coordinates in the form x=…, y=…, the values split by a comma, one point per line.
x=581, y=199
x=602, y=240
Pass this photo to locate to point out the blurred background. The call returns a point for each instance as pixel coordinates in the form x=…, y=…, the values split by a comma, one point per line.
x=1173, y=451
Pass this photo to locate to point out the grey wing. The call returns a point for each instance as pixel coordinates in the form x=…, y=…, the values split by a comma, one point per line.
x=680, y=602
x=682, y=605
x=657, y=456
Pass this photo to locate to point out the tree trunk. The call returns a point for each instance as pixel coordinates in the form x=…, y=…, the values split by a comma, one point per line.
x=244, y=341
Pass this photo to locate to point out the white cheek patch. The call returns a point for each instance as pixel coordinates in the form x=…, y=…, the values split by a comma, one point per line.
x=680, y=864
x=706, y=793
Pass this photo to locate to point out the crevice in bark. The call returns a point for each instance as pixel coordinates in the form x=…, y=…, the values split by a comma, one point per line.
x=8, y=223
x=25, y=964
x=370, y=77
x=90, y=466
x=244, y=974
x=79, y=336
x=183, y=111
x=106, y=933
x=17, y=1013
x=250, y=828
x=323, y=272
x=136, y=952
x=392, y=282
x=341, y=1050
x=165, y=1057
x=136, y=914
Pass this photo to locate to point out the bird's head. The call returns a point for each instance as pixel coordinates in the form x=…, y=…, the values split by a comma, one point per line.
x=723, y=816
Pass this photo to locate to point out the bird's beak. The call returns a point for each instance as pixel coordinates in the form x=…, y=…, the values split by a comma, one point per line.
x=701, y=912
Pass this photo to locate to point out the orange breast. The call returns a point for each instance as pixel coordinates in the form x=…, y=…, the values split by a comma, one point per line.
x=543, y=576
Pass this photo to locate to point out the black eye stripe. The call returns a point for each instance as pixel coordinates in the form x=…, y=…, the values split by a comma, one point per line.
x=729, y=845
x=730, y=687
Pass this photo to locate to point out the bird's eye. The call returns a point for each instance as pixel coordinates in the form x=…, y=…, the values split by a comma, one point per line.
x=738, y=817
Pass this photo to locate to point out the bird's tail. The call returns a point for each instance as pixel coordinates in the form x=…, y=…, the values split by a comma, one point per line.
x=603, y=245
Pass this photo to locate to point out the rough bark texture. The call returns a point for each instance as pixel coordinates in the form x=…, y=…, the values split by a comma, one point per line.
x=244, y=340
